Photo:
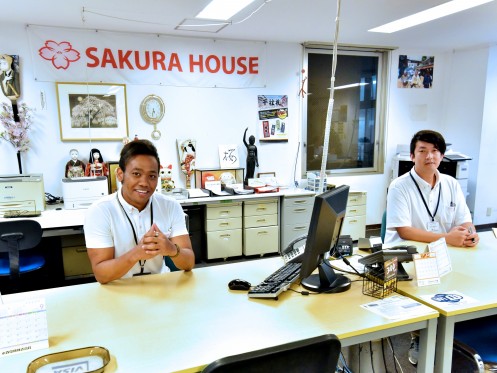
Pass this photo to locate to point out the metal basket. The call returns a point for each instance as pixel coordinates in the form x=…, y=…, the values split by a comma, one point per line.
x=375, y=285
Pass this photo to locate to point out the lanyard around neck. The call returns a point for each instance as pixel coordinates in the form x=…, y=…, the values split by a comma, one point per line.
x=142, y=265
x=423, y=198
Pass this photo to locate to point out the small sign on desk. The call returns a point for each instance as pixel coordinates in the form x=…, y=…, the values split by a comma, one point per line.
x=23, y=326
x=426, y=268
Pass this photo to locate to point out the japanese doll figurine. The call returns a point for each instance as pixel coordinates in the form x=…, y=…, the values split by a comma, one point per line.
x=75, y=167
x=96, y=165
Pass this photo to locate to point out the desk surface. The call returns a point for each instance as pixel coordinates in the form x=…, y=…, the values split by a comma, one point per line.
x=182, y=321
x=474, y=275
x=53, y=219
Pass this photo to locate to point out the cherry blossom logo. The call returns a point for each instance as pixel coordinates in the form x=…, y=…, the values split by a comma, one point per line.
x=61, y=54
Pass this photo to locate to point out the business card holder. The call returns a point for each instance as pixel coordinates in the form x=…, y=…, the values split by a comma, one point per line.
x=88, y=359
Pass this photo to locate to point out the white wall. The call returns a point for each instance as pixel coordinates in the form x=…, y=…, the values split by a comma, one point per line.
x=459, y=105
x=211, y=116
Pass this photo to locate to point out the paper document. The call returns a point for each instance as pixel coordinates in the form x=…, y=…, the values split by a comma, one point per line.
x=196, y=193
x=396, y=307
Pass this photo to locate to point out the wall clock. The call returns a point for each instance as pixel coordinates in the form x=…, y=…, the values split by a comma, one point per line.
x=152, y=110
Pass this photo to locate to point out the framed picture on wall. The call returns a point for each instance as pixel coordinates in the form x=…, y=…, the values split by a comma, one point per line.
x=92, y=111
x=111, y=179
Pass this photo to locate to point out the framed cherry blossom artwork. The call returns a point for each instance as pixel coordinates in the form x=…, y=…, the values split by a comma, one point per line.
x=92, y=111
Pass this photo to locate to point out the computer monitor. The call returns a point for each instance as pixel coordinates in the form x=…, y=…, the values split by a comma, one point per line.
x=326, y=223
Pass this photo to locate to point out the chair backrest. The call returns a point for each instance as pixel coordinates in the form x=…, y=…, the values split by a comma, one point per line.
x=383, y=229
x=318, y=354
x=17, y=235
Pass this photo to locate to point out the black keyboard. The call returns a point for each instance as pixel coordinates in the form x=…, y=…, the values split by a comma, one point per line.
x=277, y=282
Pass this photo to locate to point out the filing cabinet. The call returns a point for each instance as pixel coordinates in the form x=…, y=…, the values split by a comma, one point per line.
x=354, y=223
x=295, y=218
x=260, y=222
x=223, y=226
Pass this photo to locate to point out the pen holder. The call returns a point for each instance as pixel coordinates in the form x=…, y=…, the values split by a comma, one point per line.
x=374, y=283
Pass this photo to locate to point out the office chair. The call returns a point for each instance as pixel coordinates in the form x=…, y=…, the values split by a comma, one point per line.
x=477, y=340
x=169, y=262
x=17, y=236
x=318, y=354
x=383, y=229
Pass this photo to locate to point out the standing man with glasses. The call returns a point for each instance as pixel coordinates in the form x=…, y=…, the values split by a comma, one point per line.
x=425, y=205
x=129, y=232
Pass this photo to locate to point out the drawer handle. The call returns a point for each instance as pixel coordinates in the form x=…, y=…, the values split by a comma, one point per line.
x=300, y=228
x=300, y=210
x=225, y=212
x=261, y=209
x=262, y=232
x=300, y=202
x=353, y=221
x=353, y=200
x=226, y=236
x=353, y=210
x=261, y=220
x=224, y=224
x=83, y=250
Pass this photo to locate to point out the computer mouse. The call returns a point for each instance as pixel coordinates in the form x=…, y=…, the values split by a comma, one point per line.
x=238, y=284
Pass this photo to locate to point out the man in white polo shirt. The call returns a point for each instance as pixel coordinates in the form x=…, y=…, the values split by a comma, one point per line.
x=424, y=205
x=129, y=232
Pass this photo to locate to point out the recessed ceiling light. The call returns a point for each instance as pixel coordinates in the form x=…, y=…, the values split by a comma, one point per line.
x=223, y=9
x=427, y=15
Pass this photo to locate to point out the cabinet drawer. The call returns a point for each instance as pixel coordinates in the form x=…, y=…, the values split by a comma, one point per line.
x=355, y=226
x=223, y=224
x=261, y=208
x=356, y=210
x=261, y=240
x=297, y=214
x=356, y=198
x=291, y=232
x=224, y=244
x=224, y=211
x=290, y=202
x=260, y=220
x=76, y=262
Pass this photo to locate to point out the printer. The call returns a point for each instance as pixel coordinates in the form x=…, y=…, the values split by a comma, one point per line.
x=22, y=192
x=81, y=192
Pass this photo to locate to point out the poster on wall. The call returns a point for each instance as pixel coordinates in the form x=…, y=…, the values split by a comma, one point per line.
x=273, y=117
x=415, y=71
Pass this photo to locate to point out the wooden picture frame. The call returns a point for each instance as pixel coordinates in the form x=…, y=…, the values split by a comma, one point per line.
x=266, y=174
x=92, y=111
x=111, y=179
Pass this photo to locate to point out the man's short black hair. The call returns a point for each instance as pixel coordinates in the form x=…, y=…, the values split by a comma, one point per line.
x=431, y=137
x=137, y=147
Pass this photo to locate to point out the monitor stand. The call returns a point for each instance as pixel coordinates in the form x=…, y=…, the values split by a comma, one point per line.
x=326, y=281
x=402, y=274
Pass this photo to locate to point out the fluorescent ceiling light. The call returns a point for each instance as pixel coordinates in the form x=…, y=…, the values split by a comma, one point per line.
x=427, y=15
x=223, y=9
x=349, y=86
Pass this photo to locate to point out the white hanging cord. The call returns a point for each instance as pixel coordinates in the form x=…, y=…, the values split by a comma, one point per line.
x=329, y=113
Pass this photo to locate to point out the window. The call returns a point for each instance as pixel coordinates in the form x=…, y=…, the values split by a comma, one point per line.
x=356, y=137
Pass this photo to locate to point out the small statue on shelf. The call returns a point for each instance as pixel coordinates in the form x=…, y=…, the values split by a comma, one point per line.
x=96, y=165
x=166, y=177
x=75, y=167
x=252, y=160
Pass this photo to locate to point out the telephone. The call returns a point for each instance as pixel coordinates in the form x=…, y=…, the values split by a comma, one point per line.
x=294, y=254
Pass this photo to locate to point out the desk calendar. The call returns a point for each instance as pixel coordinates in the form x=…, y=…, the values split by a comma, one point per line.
x=23, y=326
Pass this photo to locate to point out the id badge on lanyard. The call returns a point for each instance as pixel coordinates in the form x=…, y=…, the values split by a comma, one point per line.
x=433, y=226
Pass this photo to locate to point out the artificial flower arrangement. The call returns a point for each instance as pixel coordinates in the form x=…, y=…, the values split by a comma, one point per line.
x=16, y=132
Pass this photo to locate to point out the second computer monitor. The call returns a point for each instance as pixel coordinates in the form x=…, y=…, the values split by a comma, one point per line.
x=326, y=223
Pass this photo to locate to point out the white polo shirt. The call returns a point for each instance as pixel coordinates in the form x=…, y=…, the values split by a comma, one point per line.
x=106, y=225
x=405, y=207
